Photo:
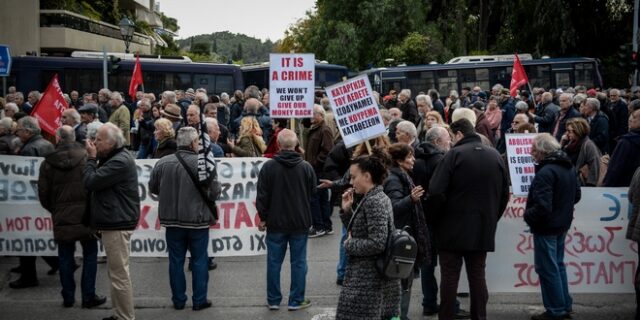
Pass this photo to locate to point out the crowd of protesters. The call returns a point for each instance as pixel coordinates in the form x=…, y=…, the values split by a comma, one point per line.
x=440, y=170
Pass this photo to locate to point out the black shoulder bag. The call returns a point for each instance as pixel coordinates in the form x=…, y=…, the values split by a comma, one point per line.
x=209, y=202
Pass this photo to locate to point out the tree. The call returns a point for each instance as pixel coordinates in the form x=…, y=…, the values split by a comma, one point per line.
x=200, y=48
x=237, y=55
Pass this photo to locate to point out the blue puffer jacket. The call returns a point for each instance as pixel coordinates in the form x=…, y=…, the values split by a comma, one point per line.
x=553, y=193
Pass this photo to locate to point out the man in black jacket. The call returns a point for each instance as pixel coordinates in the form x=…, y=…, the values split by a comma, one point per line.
x=469, y=174
x=285, y=184
x=598, y=122
x=549, y=212
x=111, y=179
x=61, y=192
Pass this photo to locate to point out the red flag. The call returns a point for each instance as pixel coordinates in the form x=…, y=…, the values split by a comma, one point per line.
x=136, y=79
x=518, y=76
x=49, y=109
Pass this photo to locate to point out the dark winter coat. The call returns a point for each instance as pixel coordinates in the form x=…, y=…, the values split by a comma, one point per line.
x=409, y=111
x=562, y=126
x=165, y=148
x=8, y=143
x=113, y=189
x=484, y=128
x=624, y=161
x=508, y=108
x=36, y=146
x=428, y=157
x=319, y=144
x=61, y=191
x=285, y=184
x=600, y=132
x=546, y=117
x=553, y=193
x=633, y=227
x=469, y=192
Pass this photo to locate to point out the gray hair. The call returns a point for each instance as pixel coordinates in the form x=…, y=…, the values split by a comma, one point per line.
x=546, y=143
x=114, y=134
x=30, y=124
x=464, y=113
x=92, y=129
x=202, y=96
x=287, y=139
x=6, y=124
x=19, y=94
x=74, y=114
x=579, y=98
x=211, y=122
x=66, y=134
x=405, y=92
x=319, y=109
x=66, y=98
x=116, y=96
x=522, y=106
x=569, y=96
x=454, y=93
x=593, y=103
x=36, y=94
x=498, y=87
x=12, y=106
x=170, y=97
x=186, y=136
x=434, y=134
x=408, y=127
x=252, y=92
x=424, y=98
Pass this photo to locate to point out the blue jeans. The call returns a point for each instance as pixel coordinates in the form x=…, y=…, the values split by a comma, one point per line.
x=549, y=263
x=342, y=263
x=197, y=241
x=321, y=210
x=143, y=150
x=276, y=250
x=89, y=268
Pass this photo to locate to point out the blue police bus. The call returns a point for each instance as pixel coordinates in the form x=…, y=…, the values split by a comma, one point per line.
x=545, y=73
x=85, y=74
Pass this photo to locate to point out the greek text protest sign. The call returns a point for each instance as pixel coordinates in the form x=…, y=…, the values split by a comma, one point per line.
x=291, y=85
x=521, y=168
x=355, y=110
x=27, y=229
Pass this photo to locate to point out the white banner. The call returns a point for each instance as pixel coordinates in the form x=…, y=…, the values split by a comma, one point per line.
x=291, y=85
x=26, y=228
x=356, y=110
x=521, y=167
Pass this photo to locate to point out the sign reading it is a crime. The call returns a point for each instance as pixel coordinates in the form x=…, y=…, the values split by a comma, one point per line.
x=291, y=85
x=521, y=167
x=356, y=110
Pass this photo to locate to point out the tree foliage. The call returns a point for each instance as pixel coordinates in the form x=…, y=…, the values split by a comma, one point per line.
x=230, y=46
x=363, y=33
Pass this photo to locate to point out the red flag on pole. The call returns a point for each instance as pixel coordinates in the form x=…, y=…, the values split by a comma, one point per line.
x=49, y=109
x=136, y=79
x=518, y=76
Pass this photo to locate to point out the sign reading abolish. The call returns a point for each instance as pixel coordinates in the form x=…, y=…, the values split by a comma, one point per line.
x=355, y=110
x=521, y=167
x=27, y=229
x=291, y=85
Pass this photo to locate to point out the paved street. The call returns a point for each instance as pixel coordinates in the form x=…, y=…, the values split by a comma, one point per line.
x=237, y=289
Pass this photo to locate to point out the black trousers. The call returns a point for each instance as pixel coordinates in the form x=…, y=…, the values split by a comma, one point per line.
x=450, y=267
x=28, y=266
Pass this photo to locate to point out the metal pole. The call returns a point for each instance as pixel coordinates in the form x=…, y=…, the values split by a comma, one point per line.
x=635, y=39
x=4, y=86
x=105, y=81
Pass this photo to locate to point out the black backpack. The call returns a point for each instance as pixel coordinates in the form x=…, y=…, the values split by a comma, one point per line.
x=399, y=256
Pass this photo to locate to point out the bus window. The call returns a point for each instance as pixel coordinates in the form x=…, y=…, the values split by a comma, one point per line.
x=447, y=80
x=224, y=83
x=82, y=80
x=325, y=78
x=420, y=81
x=501, y=75
x=563, y=79
x=206, y=81
x=475, y=77
x=539, y=76
x=173, y=81
x=584, y=75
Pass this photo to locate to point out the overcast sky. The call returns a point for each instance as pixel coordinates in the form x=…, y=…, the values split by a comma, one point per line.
x=262, y=19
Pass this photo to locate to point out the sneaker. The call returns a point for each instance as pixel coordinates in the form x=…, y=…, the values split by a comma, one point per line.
x=273, y=307
x=462, y=314
x=329, y=231
x=313, y=233
x=546, y=316
x=293, y=306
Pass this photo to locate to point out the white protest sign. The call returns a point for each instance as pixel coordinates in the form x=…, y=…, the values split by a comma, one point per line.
x=521, y=167
x=355, y=110
x=291, y=85
x=26, y=228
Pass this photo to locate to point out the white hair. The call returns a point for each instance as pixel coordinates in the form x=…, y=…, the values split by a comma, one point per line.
x=114, y=134
x=11, y=106
x=408, y=127
x=186, y=136
x=464, y=113
x=424, y=98
x=30, y=124
x=319, y=109
x=170, y=97
x=546, y=143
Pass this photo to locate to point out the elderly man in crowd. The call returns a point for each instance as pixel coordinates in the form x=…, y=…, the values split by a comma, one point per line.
x=599, y=134
x=61, y=192
x=72, y=118
x=111, y=179
x=187, y=217
x=284, y=185
x=120, y=116
x=549, y=212
x=626, y=157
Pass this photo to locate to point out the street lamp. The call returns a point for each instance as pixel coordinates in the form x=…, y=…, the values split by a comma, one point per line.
x=126, y=30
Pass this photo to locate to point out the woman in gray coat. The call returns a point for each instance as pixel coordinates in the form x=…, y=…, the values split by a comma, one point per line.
x=583, y=152
x=365, y=294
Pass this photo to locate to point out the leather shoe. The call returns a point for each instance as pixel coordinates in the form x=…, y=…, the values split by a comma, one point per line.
x=178, y=307
x=212, y=264
x=94, y=302
x=21, y=284
x=202, y=306
x=68, y=304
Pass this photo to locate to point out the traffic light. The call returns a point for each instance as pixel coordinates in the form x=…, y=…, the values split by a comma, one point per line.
x=113, y=64
x=634, y=60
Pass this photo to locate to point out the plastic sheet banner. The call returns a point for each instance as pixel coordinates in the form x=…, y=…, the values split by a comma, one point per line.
x=27, y=229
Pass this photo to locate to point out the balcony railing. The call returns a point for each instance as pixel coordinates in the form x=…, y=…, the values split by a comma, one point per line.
x=67, y=19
